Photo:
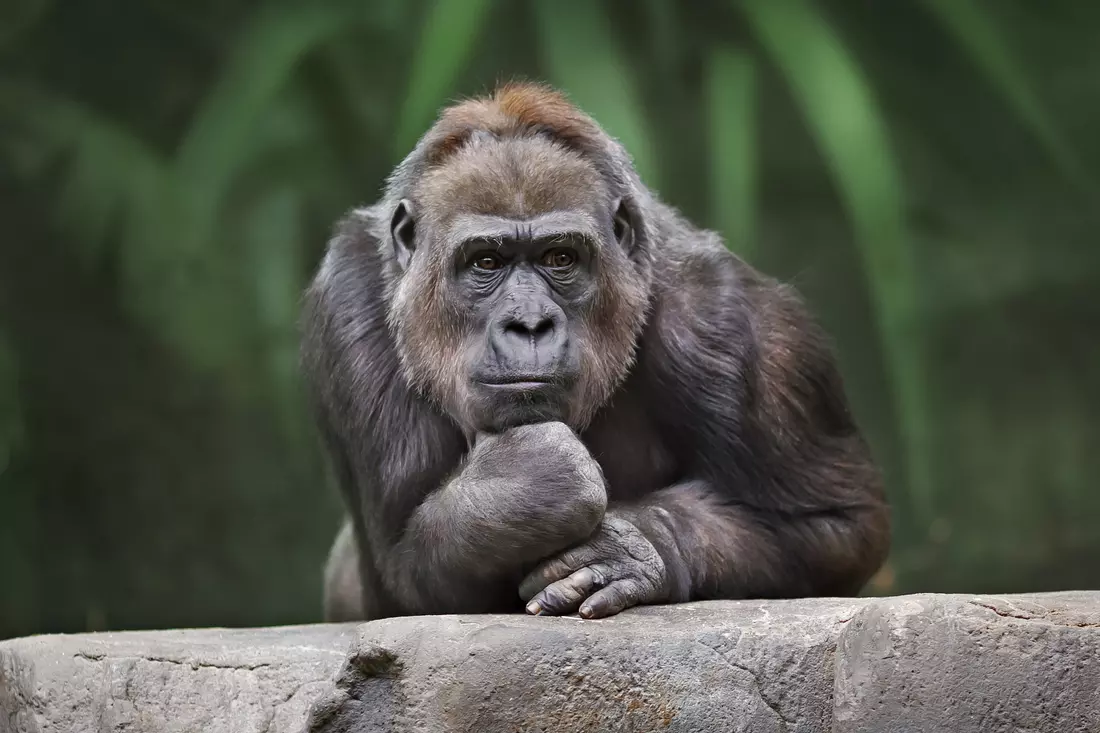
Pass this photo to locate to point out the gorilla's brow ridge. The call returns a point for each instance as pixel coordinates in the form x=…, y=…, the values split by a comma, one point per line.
x=557, y=225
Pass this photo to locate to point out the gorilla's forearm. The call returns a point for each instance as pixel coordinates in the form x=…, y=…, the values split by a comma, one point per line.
x=520, y=496
x=716, y=549
x=464, y=539
x=453, y=550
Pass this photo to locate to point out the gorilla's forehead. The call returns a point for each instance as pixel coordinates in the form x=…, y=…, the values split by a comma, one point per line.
x=514, y=178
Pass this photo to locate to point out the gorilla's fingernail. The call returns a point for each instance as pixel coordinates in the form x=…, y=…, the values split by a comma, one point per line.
x=534, y=608
x=585, y=612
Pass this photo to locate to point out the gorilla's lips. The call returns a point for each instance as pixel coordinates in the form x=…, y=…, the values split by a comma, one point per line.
x=524, y=386
x=519, y=399
x=520, y=383
x=554, y=385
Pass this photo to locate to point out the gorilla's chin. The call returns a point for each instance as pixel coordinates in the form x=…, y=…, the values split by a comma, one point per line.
x=499, y=405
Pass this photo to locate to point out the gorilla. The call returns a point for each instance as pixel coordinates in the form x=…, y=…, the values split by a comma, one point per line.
x=542, y=389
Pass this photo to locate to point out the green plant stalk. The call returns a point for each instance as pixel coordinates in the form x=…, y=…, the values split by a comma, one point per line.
x=577, y=47
x=975, y=31
x=838, y=106
x=216, y=146
x=731, y=116
x=448, y=37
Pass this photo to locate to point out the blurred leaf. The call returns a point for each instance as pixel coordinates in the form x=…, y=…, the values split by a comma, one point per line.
x=111, y=179
x=110, y=171
x=839, y=108
x=731, y=108
x=19, y=16
x=391, y=16
x=107, y=168
x=266, y=54
x=20, y=567
x=272, y=233
x=11, y=413
x=112, y=184
x=355, y=106
x=976, y=32
x=577, y=49
x=665, y=43
x=447, y=40
x=115, y=189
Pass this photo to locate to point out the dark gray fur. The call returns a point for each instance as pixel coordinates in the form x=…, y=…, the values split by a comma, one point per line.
x=722, y=463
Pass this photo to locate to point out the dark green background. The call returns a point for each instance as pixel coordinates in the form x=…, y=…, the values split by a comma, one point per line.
x=926, y=172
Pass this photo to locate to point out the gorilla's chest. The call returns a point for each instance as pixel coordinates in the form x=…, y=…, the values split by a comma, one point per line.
x=627, y=444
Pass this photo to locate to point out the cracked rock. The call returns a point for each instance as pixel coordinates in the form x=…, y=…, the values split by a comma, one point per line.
x=729, y=666
x=972, y=663
x=956, y=663
x=911, y=663
x=209, y=680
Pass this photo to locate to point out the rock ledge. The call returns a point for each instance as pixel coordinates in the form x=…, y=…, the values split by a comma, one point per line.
x=909, y=663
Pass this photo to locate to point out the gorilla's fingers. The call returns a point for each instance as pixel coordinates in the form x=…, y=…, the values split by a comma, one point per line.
x=617, y=596
x=555, y=569
x=565, y=595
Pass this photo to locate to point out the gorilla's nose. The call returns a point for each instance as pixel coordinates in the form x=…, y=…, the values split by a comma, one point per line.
x=521, y=335
x=530, y=326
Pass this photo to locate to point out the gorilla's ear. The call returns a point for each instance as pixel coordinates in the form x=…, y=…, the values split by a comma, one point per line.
x=623, y=224
x=403, y=233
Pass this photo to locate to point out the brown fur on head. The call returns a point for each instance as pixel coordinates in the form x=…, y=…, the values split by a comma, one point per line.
x=521, y=153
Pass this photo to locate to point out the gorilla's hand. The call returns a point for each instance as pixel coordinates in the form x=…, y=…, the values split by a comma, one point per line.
x=536, y=481
x=614, y=569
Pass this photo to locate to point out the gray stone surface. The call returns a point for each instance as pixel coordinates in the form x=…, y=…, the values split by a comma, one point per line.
x=734, y=666
x=912, y=663
x=208, y=680
x=971, y=663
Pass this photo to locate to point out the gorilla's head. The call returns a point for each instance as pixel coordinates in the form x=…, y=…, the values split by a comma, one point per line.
x=521, y=278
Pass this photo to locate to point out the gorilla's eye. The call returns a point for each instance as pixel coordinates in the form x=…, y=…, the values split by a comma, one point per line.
x=559, y=259
x=487, y=261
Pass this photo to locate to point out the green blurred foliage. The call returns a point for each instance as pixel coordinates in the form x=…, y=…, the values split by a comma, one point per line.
x=925, y=172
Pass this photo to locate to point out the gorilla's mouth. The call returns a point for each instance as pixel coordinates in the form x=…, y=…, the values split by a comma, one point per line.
x=499, y=401
x=518, y=383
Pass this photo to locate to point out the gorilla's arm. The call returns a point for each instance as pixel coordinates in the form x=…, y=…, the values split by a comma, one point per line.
x=438, y=527
x=519, y=496
x=779, y=498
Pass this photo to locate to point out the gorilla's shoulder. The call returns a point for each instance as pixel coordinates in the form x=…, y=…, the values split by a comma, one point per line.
x=695, y=268
x=352, y=258
x=702, y=317
x=357, y=231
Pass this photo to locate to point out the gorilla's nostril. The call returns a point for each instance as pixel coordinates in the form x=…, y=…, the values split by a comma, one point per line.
x=517, y=329
x=543, y=327
x=530, y=327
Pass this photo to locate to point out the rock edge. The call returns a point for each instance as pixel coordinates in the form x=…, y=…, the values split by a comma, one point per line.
x=928, y=662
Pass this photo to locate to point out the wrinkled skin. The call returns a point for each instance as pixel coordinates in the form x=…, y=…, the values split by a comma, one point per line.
x=613, y=570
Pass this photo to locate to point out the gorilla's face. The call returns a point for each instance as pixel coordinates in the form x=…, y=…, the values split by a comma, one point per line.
x=518, y=302
x=526, y=286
